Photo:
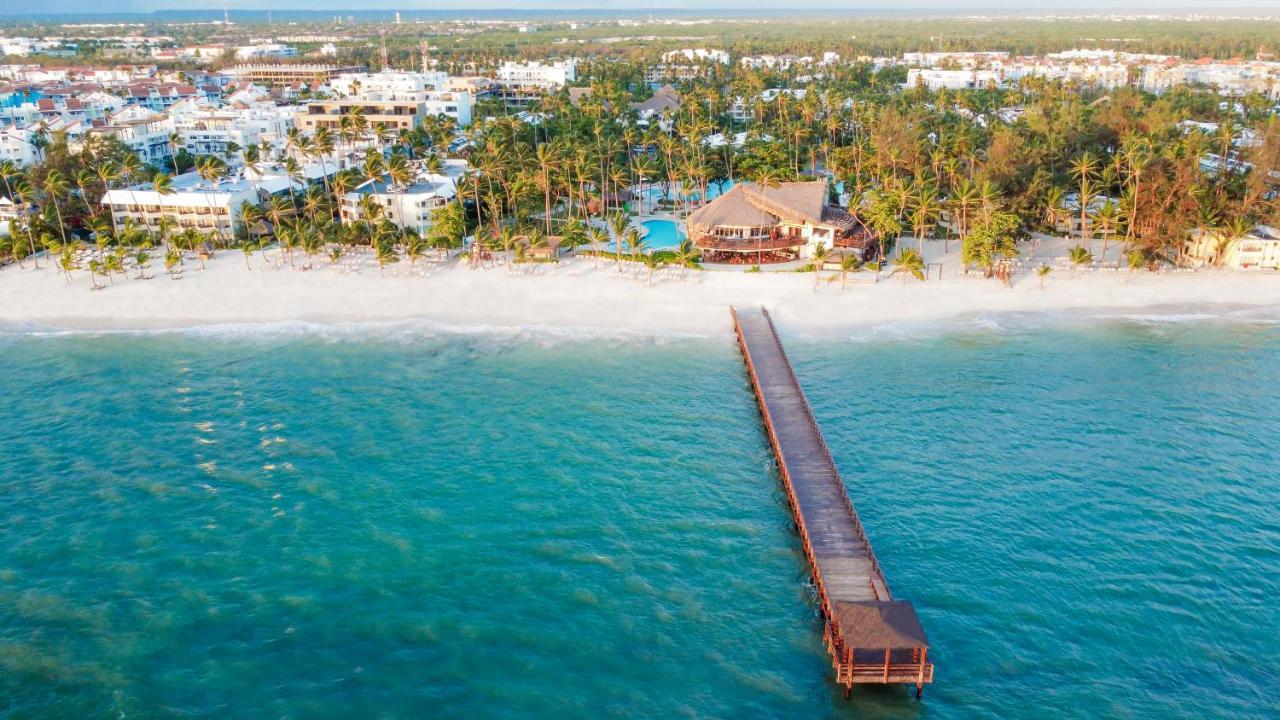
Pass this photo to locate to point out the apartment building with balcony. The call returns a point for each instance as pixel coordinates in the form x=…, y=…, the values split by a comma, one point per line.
x=1259, y=249
x=394, y=111
x=211, y=208
x=410, y=206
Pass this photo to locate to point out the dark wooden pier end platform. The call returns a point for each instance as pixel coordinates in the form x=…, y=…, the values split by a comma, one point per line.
x=872, y=637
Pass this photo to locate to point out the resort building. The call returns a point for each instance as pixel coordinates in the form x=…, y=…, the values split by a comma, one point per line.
x=190, y=53
x=212, y=208
x=398, y=111
x=537, y=75
x=754, y=224
x=264, y=50
x=409, y=207
x=684, y=65
x=288, y=74
x=162, y=96
x=953, y=79
x=1259, y=249
x=144, y=131
x=395, y=112
x=388, y=81
x=522, y=83
x=249, y=117
x=664, y=103
x=17, y=145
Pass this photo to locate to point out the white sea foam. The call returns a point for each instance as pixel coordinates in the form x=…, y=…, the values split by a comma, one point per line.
x=409, y=331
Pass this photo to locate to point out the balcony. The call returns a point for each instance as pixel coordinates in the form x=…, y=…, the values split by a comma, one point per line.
x=751, y=242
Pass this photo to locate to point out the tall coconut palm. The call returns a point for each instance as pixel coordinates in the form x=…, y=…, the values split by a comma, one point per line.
x=55, y=188
x=107, y=173
x=211, y=169
x=1107, y=217
x=964, y=198
x=8, y=173
x=1084, y=169
x=175, y=142
x=321, y=146
x=618, y=223
x=549, y=160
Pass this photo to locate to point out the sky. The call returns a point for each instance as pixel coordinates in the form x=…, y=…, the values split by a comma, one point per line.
x=709, y=6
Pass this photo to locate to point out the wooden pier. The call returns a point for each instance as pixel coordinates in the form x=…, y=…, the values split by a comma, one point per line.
x=872, y=637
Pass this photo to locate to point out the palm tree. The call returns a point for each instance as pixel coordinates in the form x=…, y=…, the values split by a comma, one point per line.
x=686, y=255
x=67, y=261
x=115, y=261
x=321, y=146
x=1234, y=230
x=247, y=247
x=8, y=172
x=963, y=199
x=635, y=243
x=172, y=261
x=548, y=162
x=175, y=140
x=908, y=262
x=143, y=260
x=1079, y=255
x=414, y=245
x=95, y=269
x=598, y=236
x=1084, y=168
x=924, y=213
x=1107, y=217
x=819, y=257
x=383, y=250
x=618, y=223
x=211, y=169
x=651, y=262
x=1043, y=271
x=848, y=263
x=84, y=178
x=56, y=187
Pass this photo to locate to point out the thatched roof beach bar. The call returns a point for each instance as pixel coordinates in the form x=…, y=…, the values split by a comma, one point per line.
x=761, y=224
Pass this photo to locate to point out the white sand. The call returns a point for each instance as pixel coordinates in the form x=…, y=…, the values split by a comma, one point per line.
x=577, y=294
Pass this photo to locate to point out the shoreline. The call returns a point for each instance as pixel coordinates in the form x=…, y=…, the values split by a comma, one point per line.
x=582, y=296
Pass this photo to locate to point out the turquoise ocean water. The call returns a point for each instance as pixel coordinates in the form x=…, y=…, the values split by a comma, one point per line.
x=399, y=524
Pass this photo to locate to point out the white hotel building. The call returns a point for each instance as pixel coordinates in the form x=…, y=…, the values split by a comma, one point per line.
x=247, y=118
x=409, y=207
x=212, y=208
x=522, y=83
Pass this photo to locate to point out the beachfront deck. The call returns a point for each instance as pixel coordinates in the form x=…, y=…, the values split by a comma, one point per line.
x=872, y=638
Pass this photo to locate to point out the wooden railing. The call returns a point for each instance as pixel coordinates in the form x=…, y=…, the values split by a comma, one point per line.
x=826, y=451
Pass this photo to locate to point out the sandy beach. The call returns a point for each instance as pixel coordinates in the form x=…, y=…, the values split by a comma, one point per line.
x=583, y=293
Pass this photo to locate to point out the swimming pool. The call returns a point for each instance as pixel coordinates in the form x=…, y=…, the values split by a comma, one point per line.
x=662, y=235
x=714, y=190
